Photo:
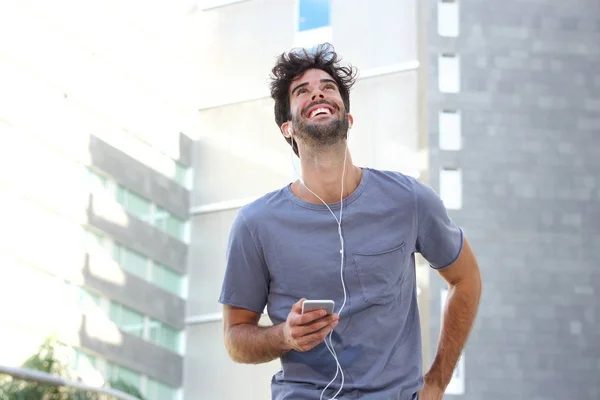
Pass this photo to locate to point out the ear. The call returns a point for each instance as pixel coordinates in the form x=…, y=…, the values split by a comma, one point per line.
x=286, y=129
x=350, y=120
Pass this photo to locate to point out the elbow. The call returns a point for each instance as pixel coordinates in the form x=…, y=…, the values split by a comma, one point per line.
x=231, y=347
x=233, y=355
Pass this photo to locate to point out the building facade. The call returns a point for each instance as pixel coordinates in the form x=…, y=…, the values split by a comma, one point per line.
x=514, y=108
x=95, y=201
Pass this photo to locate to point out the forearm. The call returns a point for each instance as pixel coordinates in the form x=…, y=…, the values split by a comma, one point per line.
x=253, y=344
x=459, y=315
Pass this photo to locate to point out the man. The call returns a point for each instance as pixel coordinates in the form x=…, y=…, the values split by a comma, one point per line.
x=348, y=234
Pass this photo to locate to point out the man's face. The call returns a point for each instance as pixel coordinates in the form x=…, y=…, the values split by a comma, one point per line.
x=319, y=117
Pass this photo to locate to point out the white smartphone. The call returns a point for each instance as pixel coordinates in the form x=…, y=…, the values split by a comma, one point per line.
x=310, y=305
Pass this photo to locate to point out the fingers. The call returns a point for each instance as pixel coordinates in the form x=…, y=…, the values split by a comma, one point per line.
x=305, y=337
x=308, y=317
x=318, y=324
x=305, y=331
x=310, y=341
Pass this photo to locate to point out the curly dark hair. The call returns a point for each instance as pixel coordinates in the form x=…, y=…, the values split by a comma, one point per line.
x=296, y=62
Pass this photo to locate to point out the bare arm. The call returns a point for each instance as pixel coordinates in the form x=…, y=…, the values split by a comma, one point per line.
x=249, y=343
x=464, y=292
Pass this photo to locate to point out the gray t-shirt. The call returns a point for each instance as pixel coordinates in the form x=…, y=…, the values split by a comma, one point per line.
x=282, y=248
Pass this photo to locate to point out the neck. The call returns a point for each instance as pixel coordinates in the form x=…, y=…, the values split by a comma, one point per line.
x=322, y=173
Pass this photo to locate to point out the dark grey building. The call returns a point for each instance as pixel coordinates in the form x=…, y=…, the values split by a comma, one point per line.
x=517, y=90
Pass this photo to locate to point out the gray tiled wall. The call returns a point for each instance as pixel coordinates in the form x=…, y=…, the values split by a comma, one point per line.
x=530, y=104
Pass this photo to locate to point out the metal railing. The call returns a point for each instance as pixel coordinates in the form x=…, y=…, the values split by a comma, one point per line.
x=30, y=375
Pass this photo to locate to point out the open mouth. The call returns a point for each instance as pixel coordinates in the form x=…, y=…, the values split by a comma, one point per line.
x=321, y=109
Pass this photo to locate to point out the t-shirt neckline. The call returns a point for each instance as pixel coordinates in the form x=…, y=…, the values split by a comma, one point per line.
x=334, y=206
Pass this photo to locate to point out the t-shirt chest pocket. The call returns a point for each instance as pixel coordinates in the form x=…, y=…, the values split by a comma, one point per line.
x=380, y=274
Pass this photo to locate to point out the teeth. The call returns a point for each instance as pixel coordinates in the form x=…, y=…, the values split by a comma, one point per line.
x=319, y=110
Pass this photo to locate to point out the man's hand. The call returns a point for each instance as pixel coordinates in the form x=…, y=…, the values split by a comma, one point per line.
x=303, y=332
x=430, y=392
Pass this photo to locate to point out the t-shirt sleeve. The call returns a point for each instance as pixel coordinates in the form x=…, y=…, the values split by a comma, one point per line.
x=246, y=281
x=439, y=239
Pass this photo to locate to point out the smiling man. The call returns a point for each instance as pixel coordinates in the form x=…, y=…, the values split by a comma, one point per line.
x=348, y=234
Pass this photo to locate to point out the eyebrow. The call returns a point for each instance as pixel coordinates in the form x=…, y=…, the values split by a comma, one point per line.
x=306, y=83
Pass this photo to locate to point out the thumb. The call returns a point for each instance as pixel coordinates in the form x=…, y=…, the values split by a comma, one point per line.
x=297, y=307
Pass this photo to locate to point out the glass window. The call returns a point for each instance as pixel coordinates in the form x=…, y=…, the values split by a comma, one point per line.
x=448, y=19
x=160, y=218
x=134, y=203
x=166, y=278
x=121, y=195
x=175, y=227
x=127, y=319
x=81, y=360
x=156, y=390
x=115, y=373
x=88, y=301
x=163, y=335
x=181, y=172
x=449, y=73
x=313, y=14
x=451, y=188
x=168, y=223
x=449, y=129
x=96, y=181
x=138, y=206
x=131, y=261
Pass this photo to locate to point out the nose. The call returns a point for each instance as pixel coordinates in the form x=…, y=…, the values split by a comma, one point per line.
x=317, y=94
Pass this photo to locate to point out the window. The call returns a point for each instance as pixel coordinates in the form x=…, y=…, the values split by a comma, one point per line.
x=131, y=261
x=451, y=188
x=96, y=181
x=127, y=319
x=137, y=264
x=88, y=301
x=156, y=390
x=163, y=335
x=314, y=23
x=166, y=278
x=181, y=174
x=450, y=130
x=151, y=213
x=80, y=361
x=449, y=73
x=448, y=19
x=168, y=223
x=134, y=203
x=116, y=373
x=313, y=14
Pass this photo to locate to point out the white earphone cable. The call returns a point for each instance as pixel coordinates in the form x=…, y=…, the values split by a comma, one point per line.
x=339, y=223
